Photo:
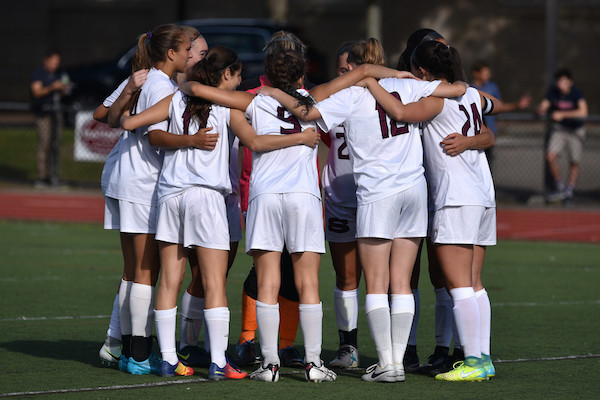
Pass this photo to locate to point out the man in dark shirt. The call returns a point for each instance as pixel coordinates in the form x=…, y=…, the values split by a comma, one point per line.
x=566, y=109
x=48, y=85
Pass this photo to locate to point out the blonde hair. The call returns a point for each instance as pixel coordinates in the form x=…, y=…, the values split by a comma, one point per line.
x=368, y=51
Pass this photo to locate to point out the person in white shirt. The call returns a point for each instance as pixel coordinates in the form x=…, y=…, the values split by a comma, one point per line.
x=462, y=195
x=192, y=189
x=132, y=183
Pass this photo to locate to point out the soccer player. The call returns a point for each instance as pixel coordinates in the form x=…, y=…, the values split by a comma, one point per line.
x=133, y=184
x=461, y=190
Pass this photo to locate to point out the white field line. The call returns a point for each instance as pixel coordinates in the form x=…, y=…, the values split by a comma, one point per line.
x=200, y=380
x=500, y=304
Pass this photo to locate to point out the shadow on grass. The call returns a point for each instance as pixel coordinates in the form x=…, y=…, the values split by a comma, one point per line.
x=74, y=350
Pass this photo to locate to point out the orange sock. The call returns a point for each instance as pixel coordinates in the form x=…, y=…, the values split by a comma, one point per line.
x=249, y=324
x=288, y=325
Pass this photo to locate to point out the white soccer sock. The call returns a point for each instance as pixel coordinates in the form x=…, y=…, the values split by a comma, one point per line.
x=114, y=326
x=267, y=318
x=124, y=310
x=346, y=309
x=166, y=321
x=402, y=310
x=412, y=337
x=443, y=317
x=466, y=315
x=192, y=315
x=311, y=322
x=142, y=309
x=378, y=317
x=217, y=325
x=485, y=320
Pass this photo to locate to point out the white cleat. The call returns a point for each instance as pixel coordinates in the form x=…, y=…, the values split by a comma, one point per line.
x=377, y=374
x=313, y=373
x=269, y=373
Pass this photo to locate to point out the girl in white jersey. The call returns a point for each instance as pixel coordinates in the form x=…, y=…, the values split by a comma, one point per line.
x=462, y=192
x=192, y=188
x=133, y=182
x=387, y=163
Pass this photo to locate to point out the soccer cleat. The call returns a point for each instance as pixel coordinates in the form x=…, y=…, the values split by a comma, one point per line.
x=470, y=370
x=109, y=355
x=123, y=361
x=347, y=357
x=194, y=356
x=489, y=367
x=269, y=373
x=151, y=365
x=411, y=359
x=290, y=357
x=247, y=353
x=556, y=196
x=229, y=371
x=437, y=363
x=400, y=375
x=180, y=369
x=377, y=374
x=313, y=373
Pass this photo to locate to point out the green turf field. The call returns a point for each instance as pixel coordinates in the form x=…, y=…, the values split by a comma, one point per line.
x=57, y=285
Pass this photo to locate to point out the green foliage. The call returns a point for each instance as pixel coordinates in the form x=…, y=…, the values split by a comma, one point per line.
x=57, y=285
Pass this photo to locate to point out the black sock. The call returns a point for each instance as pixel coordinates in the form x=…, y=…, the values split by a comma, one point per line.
x=350, y=338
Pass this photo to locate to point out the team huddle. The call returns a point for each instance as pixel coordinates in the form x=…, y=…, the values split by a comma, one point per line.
x=405, y=163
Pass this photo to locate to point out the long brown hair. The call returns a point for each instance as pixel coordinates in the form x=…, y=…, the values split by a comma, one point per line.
x=209, y=71
x=284, y=68
x=152, y=47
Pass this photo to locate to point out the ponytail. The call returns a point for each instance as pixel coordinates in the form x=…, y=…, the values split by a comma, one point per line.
x=152, y=47
x=440, y=60
x=209, y=71
x=284, y=69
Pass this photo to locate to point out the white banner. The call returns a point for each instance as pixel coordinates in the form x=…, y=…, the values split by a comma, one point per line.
x=93, y=139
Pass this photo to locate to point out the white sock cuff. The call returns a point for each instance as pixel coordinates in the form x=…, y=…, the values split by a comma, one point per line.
x=216, y=314
x=142, y=291
x=442, y=294
x=260, y=304
x=310, y=307
x=192, y=307
x=165, y=314
x=342, y=294
x=462, y=293
x=402, y=303
x=375, y=301
x=480, y=293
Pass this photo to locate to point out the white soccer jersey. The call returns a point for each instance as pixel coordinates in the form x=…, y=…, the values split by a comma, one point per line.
x=187, y=167
x=135, y=176
x=338, y=181
x=386, y=156
x=463, y=180
x=291, y=169
x=113, y=156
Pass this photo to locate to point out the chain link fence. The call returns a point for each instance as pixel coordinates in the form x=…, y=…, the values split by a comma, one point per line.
x=518, y=163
